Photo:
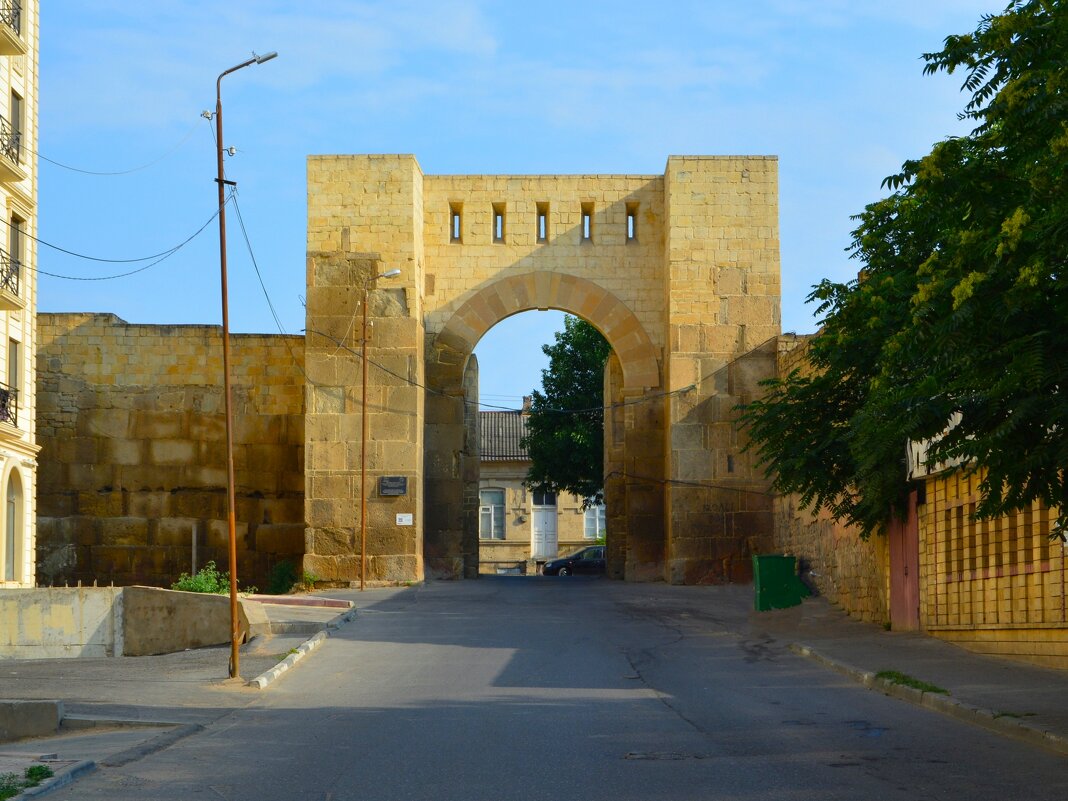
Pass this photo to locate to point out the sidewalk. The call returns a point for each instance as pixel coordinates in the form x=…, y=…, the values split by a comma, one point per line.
x=1011, y=697
x=120, y=709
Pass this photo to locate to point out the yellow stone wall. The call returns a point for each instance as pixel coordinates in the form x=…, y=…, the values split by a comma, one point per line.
x=132, y=423
x=852, y=572
x=690, y=287
x=18, y=295
x=721, y=295
x=996, y=586
x=364, y=219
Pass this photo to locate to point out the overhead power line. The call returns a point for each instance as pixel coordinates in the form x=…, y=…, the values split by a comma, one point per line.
x=152, y=163
x=411, y=382
x=158, y=257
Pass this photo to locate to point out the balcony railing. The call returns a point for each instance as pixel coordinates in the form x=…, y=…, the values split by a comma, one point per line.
x=9, y=405
x=9, y=274
x=10, y=141
x=11, y=15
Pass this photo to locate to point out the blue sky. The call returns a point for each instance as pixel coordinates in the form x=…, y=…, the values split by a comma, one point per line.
x=833, y=88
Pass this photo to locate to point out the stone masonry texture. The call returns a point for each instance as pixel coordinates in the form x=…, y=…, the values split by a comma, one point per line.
x=133, y=468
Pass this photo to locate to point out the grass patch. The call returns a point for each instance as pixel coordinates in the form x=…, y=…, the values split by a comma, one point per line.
x=11, y=784
x=897, y=677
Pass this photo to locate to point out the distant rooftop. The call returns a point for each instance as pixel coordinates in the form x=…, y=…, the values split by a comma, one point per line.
x=500, y=434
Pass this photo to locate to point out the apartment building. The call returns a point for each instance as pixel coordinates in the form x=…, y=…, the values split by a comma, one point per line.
x=18, y=289
x=519, y=529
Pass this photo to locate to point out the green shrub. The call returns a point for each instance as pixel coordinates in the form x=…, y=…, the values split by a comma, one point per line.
x=308, y=579
x=281, y=578
x=35, y=774
x=11, y=784
x=207, y=579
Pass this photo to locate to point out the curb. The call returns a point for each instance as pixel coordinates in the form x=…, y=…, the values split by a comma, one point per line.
x=968, y=713
x=61, y=779
x=265, y=679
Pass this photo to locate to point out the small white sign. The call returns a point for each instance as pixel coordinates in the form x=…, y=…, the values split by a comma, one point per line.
x=404, y=520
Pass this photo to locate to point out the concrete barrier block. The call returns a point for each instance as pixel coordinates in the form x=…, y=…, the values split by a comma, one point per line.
x=20, y=719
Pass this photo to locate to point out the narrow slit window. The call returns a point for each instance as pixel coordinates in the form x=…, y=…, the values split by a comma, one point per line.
x=543, y=222
x=587, y=222
x=632, y=222
x=498, y=222
x=456, y=216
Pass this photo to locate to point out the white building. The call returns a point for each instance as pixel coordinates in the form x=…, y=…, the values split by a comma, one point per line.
x=18, y=289
x=518, y=527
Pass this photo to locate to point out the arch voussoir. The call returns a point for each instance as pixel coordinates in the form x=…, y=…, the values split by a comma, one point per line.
x=569, y=293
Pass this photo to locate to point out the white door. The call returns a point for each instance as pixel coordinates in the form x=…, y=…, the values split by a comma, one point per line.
x=543, y=526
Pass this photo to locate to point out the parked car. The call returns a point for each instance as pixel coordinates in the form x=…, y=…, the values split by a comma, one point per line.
x=588, y=561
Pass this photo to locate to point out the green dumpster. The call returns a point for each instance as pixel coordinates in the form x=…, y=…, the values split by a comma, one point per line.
x=776, y=583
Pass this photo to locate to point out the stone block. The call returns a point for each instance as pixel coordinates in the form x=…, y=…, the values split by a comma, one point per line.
x=174, y=532
x=99, y=504
x=158, y=425
x=162, y=452
x=124, y=531
x=280, y=538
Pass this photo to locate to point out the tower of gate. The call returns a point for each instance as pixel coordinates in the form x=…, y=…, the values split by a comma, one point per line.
x=679, y=271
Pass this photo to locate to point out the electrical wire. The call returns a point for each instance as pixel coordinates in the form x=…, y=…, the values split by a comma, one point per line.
x=438, y=392
x=118, y=172
x=682, y=483
x=162, y=257
x=263, y=286
x=162, y=254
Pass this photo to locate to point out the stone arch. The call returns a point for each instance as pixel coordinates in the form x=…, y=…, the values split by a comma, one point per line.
x=542, y=291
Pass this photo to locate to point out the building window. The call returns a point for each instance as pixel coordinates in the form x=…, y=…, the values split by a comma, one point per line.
x=16, y=125
x=13, y=526
x=491, y=514
x=542, y=498
x=498, y=222
x=593, y=523
x=456, y=217
x=9, y=393
x=14, y=239
x=543, y=221
x=587, y=222
x=13, y=365
x=632, y=222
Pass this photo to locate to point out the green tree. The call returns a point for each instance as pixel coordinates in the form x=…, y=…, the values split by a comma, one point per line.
x=959, y=311
x=565, y=430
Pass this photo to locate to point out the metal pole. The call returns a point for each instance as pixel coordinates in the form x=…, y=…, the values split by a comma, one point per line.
x=363, y=447
x=231, y=503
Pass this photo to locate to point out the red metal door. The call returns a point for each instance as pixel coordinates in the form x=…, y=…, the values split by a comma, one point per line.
x=904, y=541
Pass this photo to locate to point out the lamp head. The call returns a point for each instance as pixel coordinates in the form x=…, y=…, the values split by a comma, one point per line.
x=390, y=273
x=265, y=57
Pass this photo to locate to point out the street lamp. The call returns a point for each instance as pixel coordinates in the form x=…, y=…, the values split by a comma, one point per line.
x=363, y=430
x=231, y=503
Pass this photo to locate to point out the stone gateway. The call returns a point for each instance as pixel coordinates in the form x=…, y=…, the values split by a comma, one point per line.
x=679, y=271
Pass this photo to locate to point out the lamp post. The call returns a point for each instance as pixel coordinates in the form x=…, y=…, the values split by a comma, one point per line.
x=363, y=430
x=231, y=503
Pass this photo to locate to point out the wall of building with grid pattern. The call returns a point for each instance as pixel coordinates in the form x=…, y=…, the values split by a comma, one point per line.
x=998, y=585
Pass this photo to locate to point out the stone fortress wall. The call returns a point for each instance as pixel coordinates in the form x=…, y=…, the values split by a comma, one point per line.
x=132, y=424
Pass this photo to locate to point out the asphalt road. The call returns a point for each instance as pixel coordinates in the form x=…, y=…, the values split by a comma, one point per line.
x=538, y=688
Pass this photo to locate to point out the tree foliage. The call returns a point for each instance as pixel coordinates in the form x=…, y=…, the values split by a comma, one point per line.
x=960, y=307
x=565, y=430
